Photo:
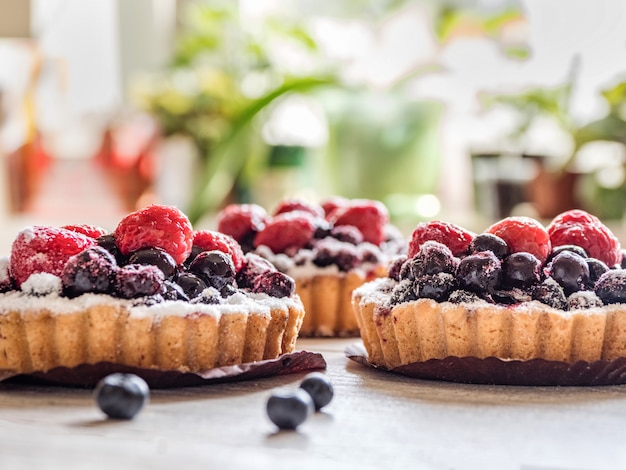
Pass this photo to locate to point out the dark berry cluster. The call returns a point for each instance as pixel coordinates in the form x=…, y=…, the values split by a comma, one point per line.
x=151, y=275
x=489, y=270
x=340, y=232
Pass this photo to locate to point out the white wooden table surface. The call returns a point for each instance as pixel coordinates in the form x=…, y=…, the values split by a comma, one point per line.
x=376, y=420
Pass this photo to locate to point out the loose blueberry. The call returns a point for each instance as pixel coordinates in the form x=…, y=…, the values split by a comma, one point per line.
x=214, y=267
x=480, y=272
x=289, y=409
x=275, y=284
x=156, y=257
x=319, y=387
x=570, y=271
x=521, y=270
x=121, y=396
x=92, y=270
x=342, y=254
x=489, y=242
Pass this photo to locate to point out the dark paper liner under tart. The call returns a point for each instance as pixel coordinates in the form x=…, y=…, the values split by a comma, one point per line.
x=495, y=371
x=88, y=375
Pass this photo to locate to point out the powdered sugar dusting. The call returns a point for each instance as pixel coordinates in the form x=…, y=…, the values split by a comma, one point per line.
x=42, y=284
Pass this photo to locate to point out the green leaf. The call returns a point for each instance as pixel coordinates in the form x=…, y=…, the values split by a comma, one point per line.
x=222, y=167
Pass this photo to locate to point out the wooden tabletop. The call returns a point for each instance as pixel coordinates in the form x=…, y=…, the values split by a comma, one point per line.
x=376, y=420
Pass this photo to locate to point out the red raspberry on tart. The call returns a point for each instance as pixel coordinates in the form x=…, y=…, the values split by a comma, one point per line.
x=577, y=227
x=453, y=236
x=241, y=220
x=86, y=229
x=43, y=249
x=208, y=240
x=156, y=226
x=523, y=234
x=370, y=217
x=288, y=230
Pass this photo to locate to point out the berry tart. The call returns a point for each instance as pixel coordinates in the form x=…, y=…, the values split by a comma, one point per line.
x=519, y=291
x=153, y=294
x=329, y=249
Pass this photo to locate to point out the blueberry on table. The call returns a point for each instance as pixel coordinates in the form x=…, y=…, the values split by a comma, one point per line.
x=121, y=395
x=319, y=387
x=289, y=409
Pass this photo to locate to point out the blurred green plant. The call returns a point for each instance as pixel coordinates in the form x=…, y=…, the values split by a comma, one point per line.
x=222, y=76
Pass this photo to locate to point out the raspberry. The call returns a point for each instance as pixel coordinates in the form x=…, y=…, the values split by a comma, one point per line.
x=44, y=249
x=523, y=234
x=156, y=226
x=370, y=217
x=453, y=236
x=333, y=203
x=90, y=230
x=289, y=205
x=209, y=240
x=239, y=220
x=289, y=230
x=577, y=227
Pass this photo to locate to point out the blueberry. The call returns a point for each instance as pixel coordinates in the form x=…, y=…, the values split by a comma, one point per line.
x=596, y=269
x=173, y=291
x=92, y=270
x=121, y=396
x=489, y=242
x=571, y=248
x=404, y=291
x=289, y=409
x=275, y=284
x=347, y=233
x=228, y=290
x=411, y=269
x=329, y=251
x=395, y=267
x=254, y=266
x=108, y=243
x=436, y=258
x=195, y=251
x=156, y=257
x=209, y=296
x=550, y=293
x=214, y=267
x=191, y=284
x=436, y=286
x=319, y=387
x=137, y=280
x=570, y=271
x=521, y=270
x=611, y=287
x=480, y=272
x=463, y=297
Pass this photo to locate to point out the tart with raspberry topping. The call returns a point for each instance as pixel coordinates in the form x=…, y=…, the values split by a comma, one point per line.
x=328, y=248
x=519, y=291
x=153, y=294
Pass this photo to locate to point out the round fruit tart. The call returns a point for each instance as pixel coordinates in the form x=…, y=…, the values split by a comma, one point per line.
x=517, y=291
x=329, y=249
x=152, y=294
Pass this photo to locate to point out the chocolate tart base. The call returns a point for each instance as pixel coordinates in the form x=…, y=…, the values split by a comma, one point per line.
x=495, y=371
x=88, y=375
